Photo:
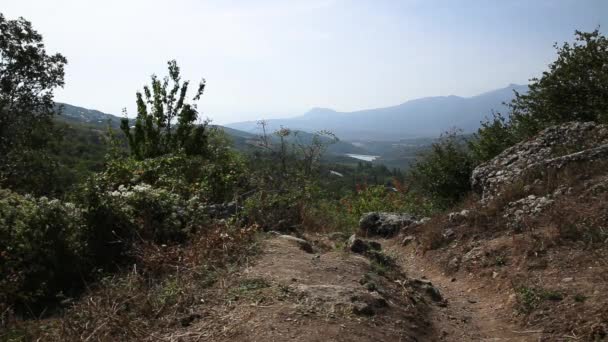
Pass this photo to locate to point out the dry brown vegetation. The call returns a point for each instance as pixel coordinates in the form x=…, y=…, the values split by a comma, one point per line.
x=162, y=290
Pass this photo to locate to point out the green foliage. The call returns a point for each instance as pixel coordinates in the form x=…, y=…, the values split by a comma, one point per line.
x=493, y=137
x=443, y=173
x=530, y=298
x=156, y=133
x=28, y=77
x=41, y=248
x=379, y=198
x=277, y=210
x=573, y=89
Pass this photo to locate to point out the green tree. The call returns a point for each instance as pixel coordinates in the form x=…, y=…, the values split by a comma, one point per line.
x=28, y=77
x=165, y=122
x=574, y=88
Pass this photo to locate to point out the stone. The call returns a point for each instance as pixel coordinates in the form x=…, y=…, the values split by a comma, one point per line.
x=448, y=233
x=453, y=264
x=473, y=256
x=385, y=224
x=407, y=240
x=360, y=246
x=459, y=217
x=368, y=304
x=222, y=210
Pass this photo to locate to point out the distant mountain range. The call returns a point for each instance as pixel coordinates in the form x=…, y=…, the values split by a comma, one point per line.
x=424, y=117
x=242, y=140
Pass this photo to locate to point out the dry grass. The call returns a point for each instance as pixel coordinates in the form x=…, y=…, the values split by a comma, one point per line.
x=159, y=292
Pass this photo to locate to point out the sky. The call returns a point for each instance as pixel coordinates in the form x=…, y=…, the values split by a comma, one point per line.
x=279, y=58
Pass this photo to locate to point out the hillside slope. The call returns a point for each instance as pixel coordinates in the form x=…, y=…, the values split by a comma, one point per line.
x=534, y=243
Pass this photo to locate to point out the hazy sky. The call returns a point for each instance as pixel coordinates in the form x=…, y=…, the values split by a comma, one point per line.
x=280, y=58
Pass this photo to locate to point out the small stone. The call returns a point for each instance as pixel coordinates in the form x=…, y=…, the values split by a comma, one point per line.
x=567, y=280
x=407, y=240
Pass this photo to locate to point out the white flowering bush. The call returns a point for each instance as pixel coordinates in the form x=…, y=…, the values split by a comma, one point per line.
x=41, y=248
x=158, y=215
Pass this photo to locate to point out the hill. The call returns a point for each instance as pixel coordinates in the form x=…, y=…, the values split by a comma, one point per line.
x=90, y=118
x=424, y=117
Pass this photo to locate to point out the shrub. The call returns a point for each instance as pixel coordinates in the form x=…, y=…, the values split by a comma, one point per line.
x=443, y=173
x=41, y=249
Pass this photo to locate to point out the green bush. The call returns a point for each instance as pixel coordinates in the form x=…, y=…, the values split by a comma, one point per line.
x=379, y=198
x=276, y=210
x=443, y=173
x=41, y=248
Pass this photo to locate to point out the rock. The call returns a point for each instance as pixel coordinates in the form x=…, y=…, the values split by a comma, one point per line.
x=459, y=217
x=222, y=210
x=407, y=240
x=453, y=264
x=448, y=233
x=515, y=212
x=385, y=224
x=303, y=244
x=473, y=256
x=338, y=236
x=428, y=288
x=553, y=148
x=567, y=280
x=360, y=246
x=368, y=304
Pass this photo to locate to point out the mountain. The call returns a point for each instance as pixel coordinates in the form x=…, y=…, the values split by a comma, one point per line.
x=243, y=140
x=91, y=117
x=424, y=117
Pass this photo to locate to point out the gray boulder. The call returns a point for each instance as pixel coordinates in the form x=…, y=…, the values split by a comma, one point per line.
x=385, y=224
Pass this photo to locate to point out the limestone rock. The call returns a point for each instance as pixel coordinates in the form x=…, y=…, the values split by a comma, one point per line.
x=385, y=224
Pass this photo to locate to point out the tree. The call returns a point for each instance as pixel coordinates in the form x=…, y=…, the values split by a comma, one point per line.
x=165, y=122
x=574, y=88
x=28, y=77
x=311, y=151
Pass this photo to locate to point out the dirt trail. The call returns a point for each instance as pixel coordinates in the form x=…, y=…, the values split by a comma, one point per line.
x=474, y=312
x=289, y=294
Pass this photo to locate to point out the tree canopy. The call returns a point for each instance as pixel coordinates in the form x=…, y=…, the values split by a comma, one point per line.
x=165, y=121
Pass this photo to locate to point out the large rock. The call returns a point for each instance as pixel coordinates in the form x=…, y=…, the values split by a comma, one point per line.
x=553, y=148
x=385, y=224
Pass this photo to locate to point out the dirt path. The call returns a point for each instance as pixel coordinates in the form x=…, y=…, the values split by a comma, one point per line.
x=474, y=312
x=290, y=294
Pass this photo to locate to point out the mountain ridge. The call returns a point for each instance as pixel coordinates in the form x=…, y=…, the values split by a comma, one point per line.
x=417, y=118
